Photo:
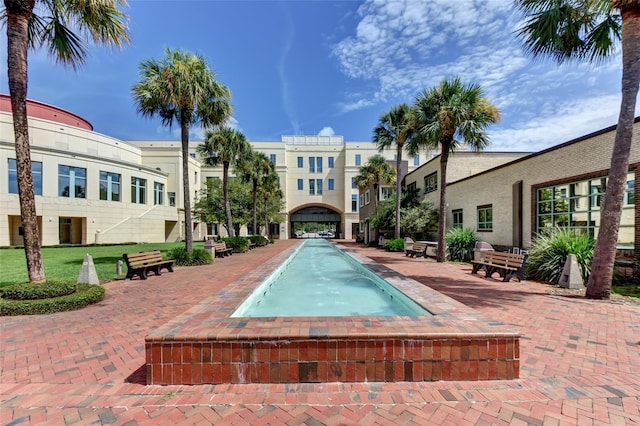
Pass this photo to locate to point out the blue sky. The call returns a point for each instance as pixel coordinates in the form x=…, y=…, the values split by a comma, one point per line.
x=333, y=67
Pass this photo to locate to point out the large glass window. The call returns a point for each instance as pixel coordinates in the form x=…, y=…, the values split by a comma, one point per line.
x=457, y=218
x=300, y=185
x=485, y=218
x=431, y=182
x=412, y=186
x=72, y=181
x=354, y=202
x=109, y=186
x=158, y=193
x=331, y=162
x=367, y=197
x=353, y=183
x=386, y=192
x=272, y=157
x=358, y=160
x=36, y=172
x=577, y=205
x=312, y=187
x=319, y=186
x=138, y=190
x=331, y=185
x=312, y=164
x=319, y=164
x=300, y=162
x=416, y=160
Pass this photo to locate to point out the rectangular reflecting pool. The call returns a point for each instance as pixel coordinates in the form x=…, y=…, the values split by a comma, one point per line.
x=213, y=342
x=321, y=280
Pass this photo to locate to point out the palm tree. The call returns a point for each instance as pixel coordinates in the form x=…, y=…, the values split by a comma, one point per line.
x=449, y=115
x=398, y=126
x=590, y=30
x=227, y=146
x=253, y=170
x=182, y=88
x=64, y=27
x=269, y=189
x=374, y=172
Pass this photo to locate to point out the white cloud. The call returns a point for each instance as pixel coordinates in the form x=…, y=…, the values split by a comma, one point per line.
x=326, y=131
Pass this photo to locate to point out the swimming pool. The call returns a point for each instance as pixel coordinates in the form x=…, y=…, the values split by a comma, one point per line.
x=320, y=280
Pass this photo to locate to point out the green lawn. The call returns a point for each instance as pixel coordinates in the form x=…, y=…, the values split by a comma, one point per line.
x=64, y=263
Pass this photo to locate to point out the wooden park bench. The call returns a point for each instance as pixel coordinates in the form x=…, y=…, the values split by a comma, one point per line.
x=222, y=250
x=252, y=245
x=418, y=249
x=141, y=263
x=508, y=265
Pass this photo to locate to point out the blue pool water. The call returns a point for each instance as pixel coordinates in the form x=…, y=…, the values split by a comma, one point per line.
x=319, y=279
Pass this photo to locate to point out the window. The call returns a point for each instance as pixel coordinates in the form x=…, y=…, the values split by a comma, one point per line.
x=272, y=157
x=109, y=186
x=353, y=183
x=312, y=187
x=416, y=160
x=300, y=185
x=319, y=186
x=431, y=182
x=138, y=190
x=385, y=193
x=485, y=218
x=361, y=200
x=457, y=218
x=319, y=164
x=36, y=171
x=330, y=185
x=358, y=160
x=300, y=162
x=312, y=164
x=172, y=198
x=367, y=197
x=158, y=193
x=192, y=154
x=331, y=162
x=72, y=182
x=354, y=203
x=412, y=186
x=577, y=205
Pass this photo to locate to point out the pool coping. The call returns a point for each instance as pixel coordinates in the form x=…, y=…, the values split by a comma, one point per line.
x=206, y=345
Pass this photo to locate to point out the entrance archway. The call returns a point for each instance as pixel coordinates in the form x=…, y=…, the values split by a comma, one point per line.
x=315, y=222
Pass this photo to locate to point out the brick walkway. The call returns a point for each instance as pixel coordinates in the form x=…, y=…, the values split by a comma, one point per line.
x=580, y=361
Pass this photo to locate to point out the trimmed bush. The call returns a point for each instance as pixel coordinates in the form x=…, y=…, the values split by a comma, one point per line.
x=34, y=291
x=238, y=244
x=461, y=242
x=549, y=251
x=84, y=295
x=394, y=245
x=259, y=240
x=182, y=257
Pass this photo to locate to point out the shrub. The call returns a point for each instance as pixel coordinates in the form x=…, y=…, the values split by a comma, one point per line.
x=84, y=295
x=182, y=257
x=394, y=245
x=31, y=291
x=259, y=240
x=461, y=242
x=238, y=244
x=549, y=251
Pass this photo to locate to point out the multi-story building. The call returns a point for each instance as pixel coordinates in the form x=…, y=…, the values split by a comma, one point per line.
x=92, y=188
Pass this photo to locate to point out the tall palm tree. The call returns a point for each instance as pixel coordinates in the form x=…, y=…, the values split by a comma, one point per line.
x=256, y=166
x=269, y=189
x=227, y=146
x=182, y=88
x=590, y=30
x=374, y=172
x=449, y=115
x=64, y=27
x=398, y=126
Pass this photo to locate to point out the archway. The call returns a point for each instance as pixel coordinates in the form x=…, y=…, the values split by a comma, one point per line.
x=315, y=222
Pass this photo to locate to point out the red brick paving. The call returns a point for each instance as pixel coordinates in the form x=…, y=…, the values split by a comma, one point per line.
x=580, y=361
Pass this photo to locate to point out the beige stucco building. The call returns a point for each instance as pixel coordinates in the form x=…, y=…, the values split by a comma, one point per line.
x=92, y=188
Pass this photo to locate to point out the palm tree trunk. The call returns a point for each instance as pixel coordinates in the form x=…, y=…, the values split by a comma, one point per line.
x=227, y=203
x=18, y=14
x=599, y=284
x=398, y=187
x=267, y=230
x=442, y=220
x=188, y=228
x=255, y=207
